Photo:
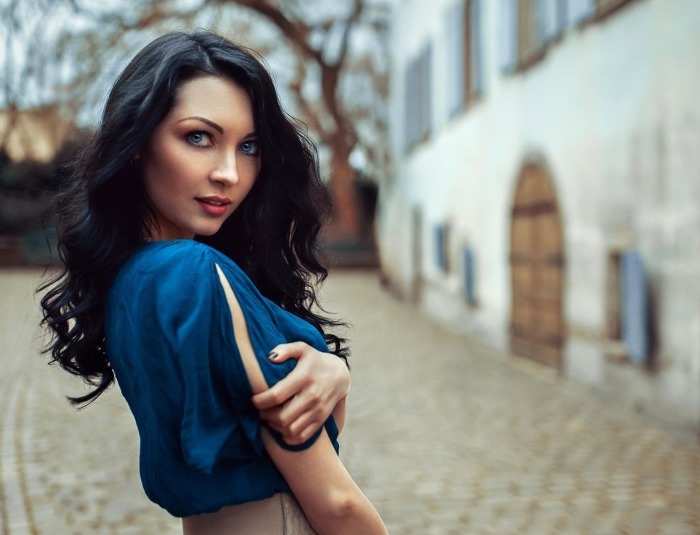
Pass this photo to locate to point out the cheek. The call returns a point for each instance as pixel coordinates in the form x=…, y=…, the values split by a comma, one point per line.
x=253, y=170
x=164, y=169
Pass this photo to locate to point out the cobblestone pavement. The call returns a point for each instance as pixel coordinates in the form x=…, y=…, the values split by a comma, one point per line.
x=444, y=435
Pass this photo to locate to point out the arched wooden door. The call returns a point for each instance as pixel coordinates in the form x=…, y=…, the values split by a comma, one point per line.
x=537, y=328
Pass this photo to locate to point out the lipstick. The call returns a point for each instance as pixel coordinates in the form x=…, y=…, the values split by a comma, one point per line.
x=214, y=205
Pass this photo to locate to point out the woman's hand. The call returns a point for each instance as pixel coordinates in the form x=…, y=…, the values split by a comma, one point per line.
x=301, y=402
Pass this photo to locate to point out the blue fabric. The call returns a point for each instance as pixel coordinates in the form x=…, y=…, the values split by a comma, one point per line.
x=635, y=307
x=169, y=335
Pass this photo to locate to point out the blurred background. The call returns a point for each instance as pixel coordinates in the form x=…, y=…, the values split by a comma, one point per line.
x=59, y=57
x=545, y=192
x=525, y=173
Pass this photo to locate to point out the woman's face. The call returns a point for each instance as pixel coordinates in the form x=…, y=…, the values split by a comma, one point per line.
x=202, y=159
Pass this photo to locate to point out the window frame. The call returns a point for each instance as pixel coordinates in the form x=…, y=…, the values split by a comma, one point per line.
x=531, y=38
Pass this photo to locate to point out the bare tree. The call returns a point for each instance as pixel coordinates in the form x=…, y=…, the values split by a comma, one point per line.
x=322, y=43
x=335, y=79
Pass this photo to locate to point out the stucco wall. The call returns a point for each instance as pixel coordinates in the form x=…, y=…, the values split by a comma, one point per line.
x=612, y=112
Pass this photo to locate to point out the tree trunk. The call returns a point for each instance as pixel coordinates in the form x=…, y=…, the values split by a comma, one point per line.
x=345, y=223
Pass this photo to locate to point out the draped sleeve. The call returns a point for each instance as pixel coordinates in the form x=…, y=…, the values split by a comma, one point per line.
x=170, y=340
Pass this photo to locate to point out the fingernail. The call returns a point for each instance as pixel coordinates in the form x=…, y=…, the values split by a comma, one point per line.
x=272, y=355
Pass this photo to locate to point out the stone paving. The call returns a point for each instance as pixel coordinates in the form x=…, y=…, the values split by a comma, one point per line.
x=444, y=435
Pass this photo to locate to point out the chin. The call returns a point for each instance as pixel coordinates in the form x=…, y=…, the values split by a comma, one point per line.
x=208, y=231
x=205, y=233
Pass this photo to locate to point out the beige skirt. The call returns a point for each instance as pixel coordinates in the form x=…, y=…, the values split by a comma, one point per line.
x=279, y=515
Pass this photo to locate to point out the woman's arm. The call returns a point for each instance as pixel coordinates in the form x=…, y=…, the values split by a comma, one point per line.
x=299, y=404
x=326, y=492
x=329, y=497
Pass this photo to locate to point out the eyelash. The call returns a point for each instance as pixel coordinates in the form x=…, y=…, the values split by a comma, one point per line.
x=254, y=151
x=256, y=147
x=205, y=135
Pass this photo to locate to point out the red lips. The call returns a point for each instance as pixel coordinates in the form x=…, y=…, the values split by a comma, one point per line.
x=214, y=205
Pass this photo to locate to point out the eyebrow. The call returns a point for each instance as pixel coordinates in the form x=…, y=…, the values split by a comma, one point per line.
x=205, y=121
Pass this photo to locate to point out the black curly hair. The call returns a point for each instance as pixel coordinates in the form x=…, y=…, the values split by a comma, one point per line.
x=103, y=213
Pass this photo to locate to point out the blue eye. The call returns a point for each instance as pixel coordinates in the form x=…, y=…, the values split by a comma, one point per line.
x=199, y=138
x=250, y=147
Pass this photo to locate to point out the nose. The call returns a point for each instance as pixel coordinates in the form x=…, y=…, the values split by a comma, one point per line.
x=225, y=170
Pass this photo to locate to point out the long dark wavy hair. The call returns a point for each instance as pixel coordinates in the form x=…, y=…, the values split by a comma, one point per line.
x=103, y=213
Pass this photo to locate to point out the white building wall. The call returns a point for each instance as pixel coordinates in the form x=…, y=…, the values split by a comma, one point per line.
x=614, y=114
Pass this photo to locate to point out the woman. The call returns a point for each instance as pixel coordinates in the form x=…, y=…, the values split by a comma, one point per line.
x=193, y=143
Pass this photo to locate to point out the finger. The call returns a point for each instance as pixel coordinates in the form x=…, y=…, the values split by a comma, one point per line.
x=301, y=426
x=280, y=430
x=299, y=431
x=281, y=392
x=303, y=436
x=298, y=379
x=299, y=410
x=271, y=416
x=282, y=352
x=294, y=416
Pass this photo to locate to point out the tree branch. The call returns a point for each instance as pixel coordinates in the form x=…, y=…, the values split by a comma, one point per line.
x=352, y=20
x=296, y=31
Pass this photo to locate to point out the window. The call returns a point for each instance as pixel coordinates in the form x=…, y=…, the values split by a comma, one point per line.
x=418, y=101
x=469, y=275
x=464, y=53
x=607, y=7
x=635, y=306
x=530, y=44
x=579, y=11
x=552, y=19
x=442, y=247
x=529, y=26
x=627, y=305
x=613, y=300
x=538, y=23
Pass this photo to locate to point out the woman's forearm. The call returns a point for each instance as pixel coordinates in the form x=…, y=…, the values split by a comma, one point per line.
x=330, y=499
x=301, y=402
x=346, y=512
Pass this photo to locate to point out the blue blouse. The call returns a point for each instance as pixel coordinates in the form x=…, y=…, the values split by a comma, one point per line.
x=169, y=338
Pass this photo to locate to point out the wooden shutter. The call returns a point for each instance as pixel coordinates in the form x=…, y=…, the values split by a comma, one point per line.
x=529, y=38
x=427, y=93
x=551, y=19
x=409, y=107
x=440, y=252
x=579, y=11
x=509, y=35
x=475, y=49
x=455, y=59
x=635, y=308
x=419, y=117
x=469, y=276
